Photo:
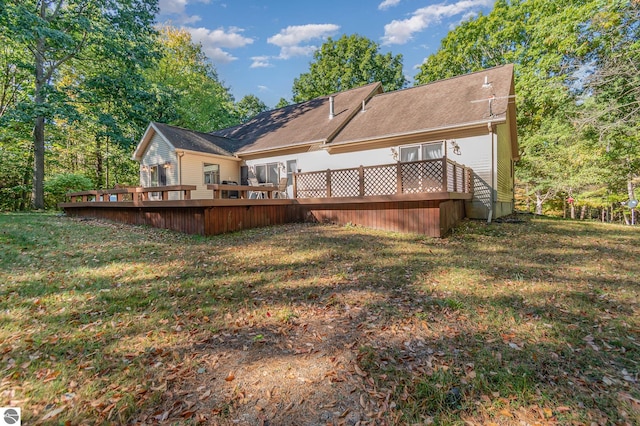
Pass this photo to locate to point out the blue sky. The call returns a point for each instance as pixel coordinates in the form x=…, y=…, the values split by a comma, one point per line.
x=260, y=47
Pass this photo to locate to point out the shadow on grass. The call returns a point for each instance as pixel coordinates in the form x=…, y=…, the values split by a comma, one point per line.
x=501, y=316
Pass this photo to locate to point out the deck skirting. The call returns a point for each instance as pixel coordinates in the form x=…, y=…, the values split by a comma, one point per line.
x=432, y=217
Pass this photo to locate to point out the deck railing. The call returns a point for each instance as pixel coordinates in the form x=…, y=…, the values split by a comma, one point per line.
x=440, y=175
x=131, y=193
x=414, y=177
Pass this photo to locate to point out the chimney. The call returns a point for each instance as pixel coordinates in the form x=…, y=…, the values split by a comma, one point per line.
x=331, y=110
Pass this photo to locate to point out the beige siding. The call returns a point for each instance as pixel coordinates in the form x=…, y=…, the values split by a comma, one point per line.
x=505, y=170
x=193, y=172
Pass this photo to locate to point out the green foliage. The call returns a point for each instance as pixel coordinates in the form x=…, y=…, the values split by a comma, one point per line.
x=282, y=103
x=248, y=107
x=186, y=86
x=106, y=35
x=351, y=61
x=553, y=45
x=612, y=112
x=56, y=187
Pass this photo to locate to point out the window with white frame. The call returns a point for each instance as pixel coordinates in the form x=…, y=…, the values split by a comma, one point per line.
x=211, y=173
x=426, y=151
x=268, y=173
x=291, y=169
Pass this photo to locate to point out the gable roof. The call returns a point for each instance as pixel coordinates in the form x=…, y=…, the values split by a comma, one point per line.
x=306, y=123
x=469, y=101
x=454, y=102
x=179, y=138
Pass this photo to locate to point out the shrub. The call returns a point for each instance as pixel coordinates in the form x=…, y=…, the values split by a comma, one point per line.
x=56, y=188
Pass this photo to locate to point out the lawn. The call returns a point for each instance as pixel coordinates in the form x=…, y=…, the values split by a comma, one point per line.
x=534, y=321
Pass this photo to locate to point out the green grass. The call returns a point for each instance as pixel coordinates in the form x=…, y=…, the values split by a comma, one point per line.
x=506, y=323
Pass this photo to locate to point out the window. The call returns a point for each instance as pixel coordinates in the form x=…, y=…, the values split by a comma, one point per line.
x=274, y=173
x=261, y=173
x=409, y=153
x=291, y=169
x=211, y=173
x=427, y=151
x=432, y=151
x=268, y=173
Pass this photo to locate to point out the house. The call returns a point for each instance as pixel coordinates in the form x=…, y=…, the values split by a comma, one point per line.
x=469, y=119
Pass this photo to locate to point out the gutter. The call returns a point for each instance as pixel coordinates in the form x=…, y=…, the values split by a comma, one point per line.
x=280, y=148
x=417, y=132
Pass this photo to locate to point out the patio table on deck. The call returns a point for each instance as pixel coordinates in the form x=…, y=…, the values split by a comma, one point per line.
x=243, y=190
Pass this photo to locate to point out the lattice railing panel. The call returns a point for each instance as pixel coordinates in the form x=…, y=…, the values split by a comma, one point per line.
x=421, y=176
x=312, y=185
x=345, y=183
x=381, y=180
x=415, y=177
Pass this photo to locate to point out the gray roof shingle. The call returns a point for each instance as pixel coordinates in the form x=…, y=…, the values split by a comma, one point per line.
x=197, y=141
x=303, y=123
x=446, y=103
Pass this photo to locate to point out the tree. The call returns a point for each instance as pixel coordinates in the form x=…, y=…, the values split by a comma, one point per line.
x=16, y=153
x=350, y=61
x=64, y=32
x=612, y=109
x=248, y=107
x=544, y=39
x=188, y=87
x=282, y=103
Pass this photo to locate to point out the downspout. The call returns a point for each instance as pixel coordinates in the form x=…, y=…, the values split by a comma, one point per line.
x=493, y=185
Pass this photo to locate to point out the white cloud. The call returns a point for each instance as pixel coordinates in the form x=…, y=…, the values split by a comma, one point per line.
x=176, y=10
x=386, y=4
x=231, y=38
x=262, y=88
x=261, y=62
x=401, y=31
x=287, y=52
x=213, y=42
x=292, y=40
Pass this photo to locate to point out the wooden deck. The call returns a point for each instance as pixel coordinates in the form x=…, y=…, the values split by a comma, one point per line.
x=423, y=197
x=429, y=214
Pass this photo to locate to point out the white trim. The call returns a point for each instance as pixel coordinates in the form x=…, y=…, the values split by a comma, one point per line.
x=416, y=132
x=146, y=140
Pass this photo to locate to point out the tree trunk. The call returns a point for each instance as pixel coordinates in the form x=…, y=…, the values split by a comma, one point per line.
x=539, y=201
x=583, y=212
x=99, y=164
x=573, y=211
x=38, y=130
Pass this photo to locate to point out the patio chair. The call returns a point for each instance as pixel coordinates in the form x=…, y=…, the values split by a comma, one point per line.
x=282, y=188
x=255, y=194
